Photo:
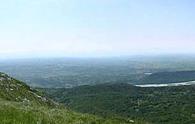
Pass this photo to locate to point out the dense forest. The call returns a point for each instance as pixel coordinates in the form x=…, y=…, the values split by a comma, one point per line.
x=170, y=105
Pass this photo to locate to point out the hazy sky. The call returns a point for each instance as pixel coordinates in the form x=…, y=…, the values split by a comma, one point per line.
x=35, y=28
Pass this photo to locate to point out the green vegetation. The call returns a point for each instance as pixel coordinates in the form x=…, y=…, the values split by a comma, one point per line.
x=19, y=104
x=14, y=90
x=163, y=105
x=19, y=113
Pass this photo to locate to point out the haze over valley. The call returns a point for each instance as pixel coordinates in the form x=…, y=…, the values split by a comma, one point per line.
x=97, y=62
x=71, y=72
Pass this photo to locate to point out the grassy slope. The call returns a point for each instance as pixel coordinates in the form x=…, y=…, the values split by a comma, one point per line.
x=170, y=105
x=19, y=104
x=19, y=113
x=14, y=90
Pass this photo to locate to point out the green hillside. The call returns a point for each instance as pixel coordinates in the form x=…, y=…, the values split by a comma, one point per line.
x=19, y=104
x=15, y=90
x=164, y=105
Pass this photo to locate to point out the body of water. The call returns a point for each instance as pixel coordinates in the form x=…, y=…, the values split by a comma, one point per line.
x=167, y=85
